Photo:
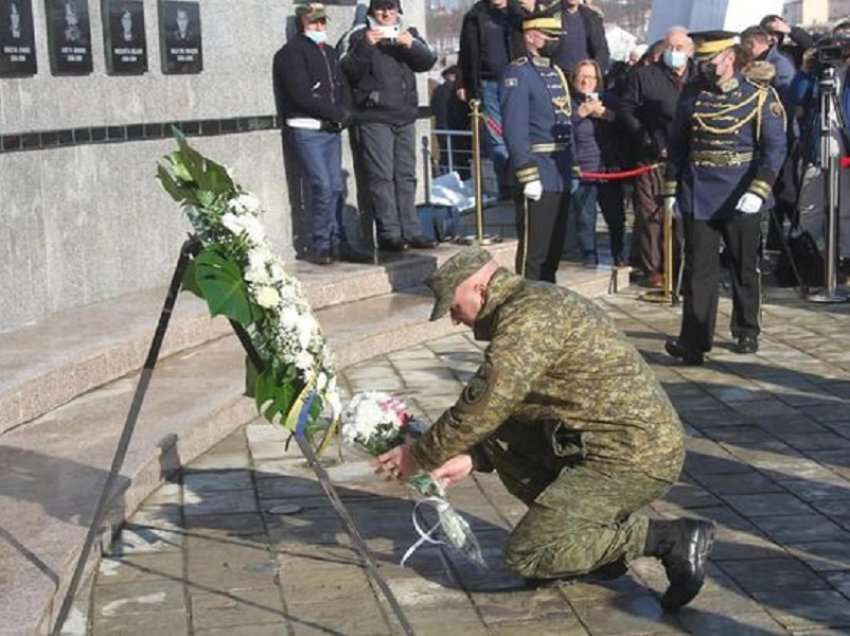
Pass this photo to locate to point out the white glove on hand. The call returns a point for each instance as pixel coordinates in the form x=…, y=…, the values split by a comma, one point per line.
x=749, y=203
x=834, y=147
x=671, y=207
x=533, y=190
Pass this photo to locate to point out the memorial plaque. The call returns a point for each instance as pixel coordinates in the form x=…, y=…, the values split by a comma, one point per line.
x=69, y=36
x=180, y=37
x=17, y=39
x=124, y=37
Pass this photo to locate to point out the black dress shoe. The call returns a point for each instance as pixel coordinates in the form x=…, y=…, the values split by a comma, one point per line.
x=352, y=255
x=683, y=546
x=688, y=356
x=322, y=257
x=422, y=243
x=747, y=344
x=392, y=245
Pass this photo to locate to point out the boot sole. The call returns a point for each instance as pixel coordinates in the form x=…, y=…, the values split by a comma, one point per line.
x=683, y=594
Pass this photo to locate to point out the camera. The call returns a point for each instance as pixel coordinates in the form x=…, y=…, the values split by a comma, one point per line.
x=389, y=34
x=832, y=51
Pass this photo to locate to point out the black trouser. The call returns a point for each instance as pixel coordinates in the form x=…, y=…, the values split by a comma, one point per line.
x=541, y=228
x=389, y=162
x=611, y=202
x=741, y=236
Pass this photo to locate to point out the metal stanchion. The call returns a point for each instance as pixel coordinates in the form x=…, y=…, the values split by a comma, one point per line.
x=426, y=167
x=665, y=295
x=477, y=120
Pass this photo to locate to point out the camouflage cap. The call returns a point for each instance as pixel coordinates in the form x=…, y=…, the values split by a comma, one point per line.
x=312, y=11
x=445, y=279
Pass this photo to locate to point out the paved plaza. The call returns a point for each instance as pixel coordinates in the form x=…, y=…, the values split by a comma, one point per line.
x=768, y=461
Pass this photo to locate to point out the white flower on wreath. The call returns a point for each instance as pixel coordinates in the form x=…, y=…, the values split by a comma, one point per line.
x=244, y=203
x=250, y=225
x=257, y=271
x=266, y=296
x=304, y=361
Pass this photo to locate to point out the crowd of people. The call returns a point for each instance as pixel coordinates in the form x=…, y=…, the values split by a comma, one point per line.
x=725, y=126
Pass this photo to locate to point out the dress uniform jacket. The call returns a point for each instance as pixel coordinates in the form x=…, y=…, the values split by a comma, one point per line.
x=574, y=421
x=727, y=140
x=536, y=112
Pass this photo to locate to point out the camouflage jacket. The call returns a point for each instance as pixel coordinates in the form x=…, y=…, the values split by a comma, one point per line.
x=556, y=357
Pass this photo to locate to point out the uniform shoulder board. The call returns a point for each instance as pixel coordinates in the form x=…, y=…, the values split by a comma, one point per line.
x=759, y=72
x=520, y=61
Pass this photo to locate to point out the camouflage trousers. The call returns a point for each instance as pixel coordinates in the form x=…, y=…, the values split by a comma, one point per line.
x=580, y=517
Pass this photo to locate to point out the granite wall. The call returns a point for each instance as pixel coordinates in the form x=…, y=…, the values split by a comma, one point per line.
x=80, y=223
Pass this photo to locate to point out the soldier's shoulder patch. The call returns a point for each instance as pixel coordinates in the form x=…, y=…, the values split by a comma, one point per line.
x=519, y=61
x=510, y=82
x=477, y=391
x=776, y=109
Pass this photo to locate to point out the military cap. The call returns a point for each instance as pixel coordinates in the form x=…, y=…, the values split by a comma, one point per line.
x=710, y=43
x=544, y=22
x=312, y=11
x=444, y=281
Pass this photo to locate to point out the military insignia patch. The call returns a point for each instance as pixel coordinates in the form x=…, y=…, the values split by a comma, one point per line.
x=510, y=82
x=477, y=391
x=776, y=109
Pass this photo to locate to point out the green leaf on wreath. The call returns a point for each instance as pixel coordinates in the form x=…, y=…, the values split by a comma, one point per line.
x=189, y=283
x=170, y=185
x=207, y=174
x=220, y=281
x=274, y=397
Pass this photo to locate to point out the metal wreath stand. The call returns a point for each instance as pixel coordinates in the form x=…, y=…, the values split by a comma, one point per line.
x=189, y=249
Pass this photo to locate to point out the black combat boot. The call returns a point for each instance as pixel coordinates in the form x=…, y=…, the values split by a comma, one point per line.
x=683, y=546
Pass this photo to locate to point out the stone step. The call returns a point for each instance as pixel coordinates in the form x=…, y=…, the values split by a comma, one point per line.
x=47, y=364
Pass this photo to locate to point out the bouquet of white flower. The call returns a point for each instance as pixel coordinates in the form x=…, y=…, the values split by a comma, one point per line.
x=377, y=422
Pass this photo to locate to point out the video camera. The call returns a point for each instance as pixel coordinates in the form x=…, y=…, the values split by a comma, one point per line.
x=833, y=50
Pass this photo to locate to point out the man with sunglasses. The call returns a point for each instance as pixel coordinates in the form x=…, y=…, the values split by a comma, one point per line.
x=381, y=59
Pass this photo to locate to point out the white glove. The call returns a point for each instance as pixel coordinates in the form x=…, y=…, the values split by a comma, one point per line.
x=533, y=190
x=749, y=203
x=672, y=208
x=834, y=147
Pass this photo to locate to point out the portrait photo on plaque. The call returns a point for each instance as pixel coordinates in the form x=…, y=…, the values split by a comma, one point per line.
x=17, y=39
x=124, y=38
x=69, y=36
x=180, y=37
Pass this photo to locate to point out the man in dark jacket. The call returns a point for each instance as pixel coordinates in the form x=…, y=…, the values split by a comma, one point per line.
x=647, y=110
x=490, y=37
x=585, y=34
x=381, y=59
x=312, y=100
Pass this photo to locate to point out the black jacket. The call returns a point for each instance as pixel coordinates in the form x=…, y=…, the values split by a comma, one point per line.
x=648, y=107
x=473, y=58
x=594, y=29
x=383, y=77
x=308, y=82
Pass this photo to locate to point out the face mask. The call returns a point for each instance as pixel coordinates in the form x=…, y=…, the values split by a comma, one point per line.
x=319, y=37
x=549, y=49
x=708, y=71
x=675, y=59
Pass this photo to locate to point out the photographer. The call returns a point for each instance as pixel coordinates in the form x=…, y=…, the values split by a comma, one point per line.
x=313, y=101
x=831, y=53
x=381, y=59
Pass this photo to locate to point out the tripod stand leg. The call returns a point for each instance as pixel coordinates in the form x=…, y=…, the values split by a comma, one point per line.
x=786, y=249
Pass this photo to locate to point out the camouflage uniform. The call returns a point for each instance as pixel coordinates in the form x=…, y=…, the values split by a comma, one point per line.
x=572, y=419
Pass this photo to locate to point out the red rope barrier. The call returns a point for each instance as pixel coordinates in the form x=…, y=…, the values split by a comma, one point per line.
x=617, y=176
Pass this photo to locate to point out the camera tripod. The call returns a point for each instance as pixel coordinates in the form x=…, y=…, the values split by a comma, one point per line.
x=829, y=113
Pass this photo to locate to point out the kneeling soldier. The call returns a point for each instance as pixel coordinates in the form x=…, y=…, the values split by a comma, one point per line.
x=574, y=422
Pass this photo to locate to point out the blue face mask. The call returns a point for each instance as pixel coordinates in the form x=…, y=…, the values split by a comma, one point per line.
x=675, y=59
x=319, y=37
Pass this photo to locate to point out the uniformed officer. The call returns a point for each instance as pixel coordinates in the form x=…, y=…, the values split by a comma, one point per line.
x=574, y=421
x=728, y=146
x=536, y=110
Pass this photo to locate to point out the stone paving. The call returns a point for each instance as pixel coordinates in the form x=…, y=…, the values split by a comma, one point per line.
x=769, y=461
